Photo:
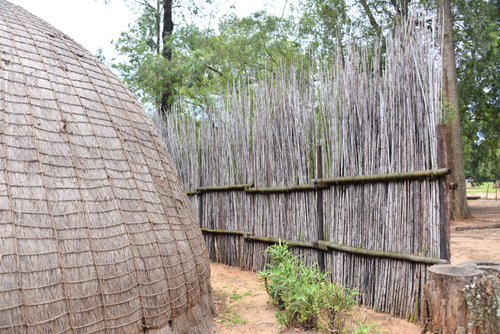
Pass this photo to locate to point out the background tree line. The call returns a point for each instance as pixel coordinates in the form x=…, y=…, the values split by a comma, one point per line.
x=172, y=55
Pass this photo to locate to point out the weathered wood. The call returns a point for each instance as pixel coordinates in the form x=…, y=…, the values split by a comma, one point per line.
x=192, y=192
x=319, y=208
x=489, y=267
x=235, y=187
x=444, y=198
x=329, y=246
x=323, y=183
x=277, y=240
x=376, y=253
x=444, y=307
x=416, y=175
x=213, y=231
x=277, y=190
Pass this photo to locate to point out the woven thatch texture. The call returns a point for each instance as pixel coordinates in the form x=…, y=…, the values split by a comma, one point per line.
x=95, y=230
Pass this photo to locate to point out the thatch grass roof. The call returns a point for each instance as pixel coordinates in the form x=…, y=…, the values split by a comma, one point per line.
x=96, y=233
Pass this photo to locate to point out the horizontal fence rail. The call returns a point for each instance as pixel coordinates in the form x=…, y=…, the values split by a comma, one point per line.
x=329, y=246
x=324, y=183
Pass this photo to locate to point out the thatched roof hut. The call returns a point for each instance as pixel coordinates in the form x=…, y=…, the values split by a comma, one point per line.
x=96, y=233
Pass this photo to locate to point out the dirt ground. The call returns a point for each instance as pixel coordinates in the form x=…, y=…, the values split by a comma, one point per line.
x=242, y=304
x=480, y=244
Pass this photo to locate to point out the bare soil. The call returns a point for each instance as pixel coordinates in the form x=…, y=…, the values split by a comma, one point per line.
x=480, y=244
x=242, y=304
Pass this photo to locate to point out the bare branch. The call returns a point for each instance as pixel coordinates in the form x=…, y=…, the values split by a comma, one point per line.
x=216, y=71
x=373, y=22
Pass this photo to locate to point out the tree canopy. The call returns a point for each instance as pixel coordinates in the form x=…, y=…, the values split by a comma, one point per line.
x=478, y=63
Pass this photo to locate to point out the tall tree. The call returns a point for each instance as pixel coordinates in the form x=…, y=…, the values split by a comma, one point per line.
x=151, y=69
x=168, y=29
x=477, y=48
x=193, y=64
x=459, y=208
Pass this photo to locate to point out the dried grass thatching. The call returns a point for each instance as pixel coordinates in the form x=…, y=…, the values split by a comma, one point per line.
x=96, y=233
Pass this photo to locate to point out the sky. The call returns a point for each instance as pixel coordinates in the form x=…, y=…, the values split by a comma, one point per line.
x=93, y=24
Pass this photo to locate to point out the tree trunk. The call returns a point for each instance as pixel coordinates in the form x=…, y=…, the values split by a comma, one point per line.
x=168, y=29
x=459, y=208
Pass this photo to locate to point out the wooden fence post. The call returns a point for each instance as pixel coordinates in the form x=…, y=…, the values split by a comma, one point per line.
x=319, y=211
x=200, y=199
x=444, y=196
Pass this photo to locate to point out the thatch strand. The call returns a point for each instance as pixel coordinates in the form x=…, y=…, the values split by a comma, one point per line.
x=372, y=115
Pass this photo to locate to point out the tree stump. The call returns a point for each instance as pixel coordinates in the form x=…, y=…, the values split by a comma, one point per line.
x=444, y=307
x=462, y=299
x=483, y=298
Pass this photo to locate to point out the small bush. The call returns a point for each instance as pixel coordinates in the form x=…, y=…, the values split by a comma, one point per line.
x=304, y=296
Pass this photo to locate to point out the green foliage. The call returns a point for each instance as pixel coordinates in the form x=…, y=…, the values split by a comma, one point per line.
x=203, y=62
x=478, y=67
x=322, y=24
x=362, y=328
x=249, y=45
x=304, y=295
x=482, y=187
x=232, y=317
x=235, y=296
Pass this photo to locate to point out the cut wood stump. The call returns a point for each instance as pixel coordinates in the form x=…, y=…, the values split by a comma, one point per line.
x=462, y=298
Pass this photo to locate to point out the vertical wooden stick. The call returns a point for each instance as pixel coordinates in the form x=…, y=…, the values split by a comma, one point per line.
x=319, y=199
x=200, y=198
x=444, y=225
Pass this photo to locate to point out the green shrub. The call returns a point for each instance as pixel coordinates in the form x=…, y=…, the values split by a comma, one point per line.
x=304, y=296
x=363, y=329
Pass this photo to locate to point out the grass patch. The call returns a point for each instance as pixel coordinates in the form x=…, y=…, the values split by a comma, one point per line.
x=231, y=318
x=235, y=296
x=482, y=188
x=304, y=296
x=362, y=328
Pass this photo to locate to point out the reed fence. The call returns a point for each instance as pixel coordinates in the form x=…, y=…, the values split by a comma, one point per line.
x=344, y=161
